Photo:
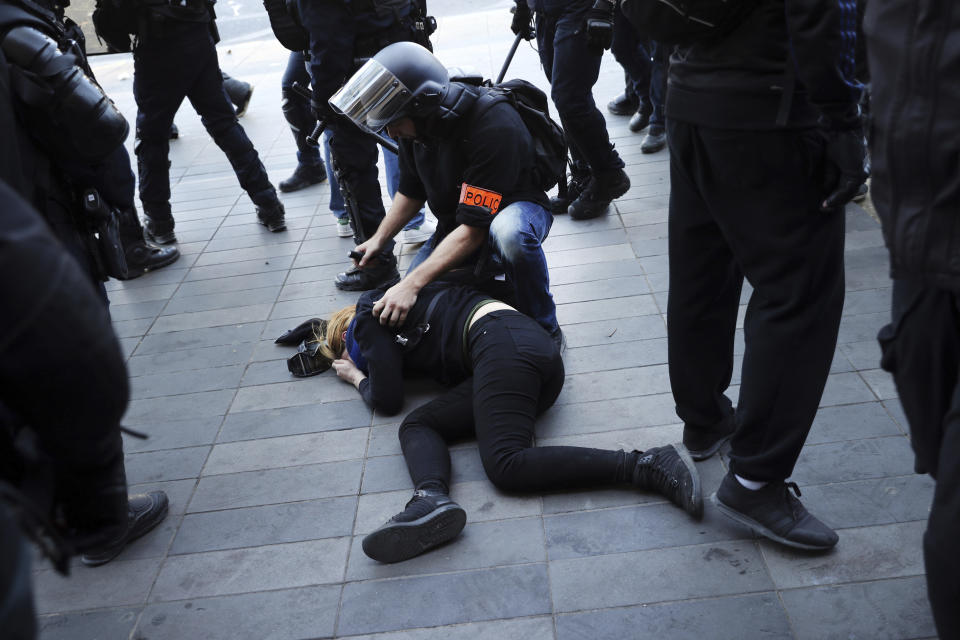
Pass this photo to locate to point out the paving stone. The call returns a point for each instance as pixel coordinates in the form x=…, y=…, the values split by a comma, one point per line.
x=585, y=240
x=597, y=271
x=286, y=451
x=506, y=592
x=853, y=460
x=755, y=616
x=276, y=486
x=625, y=307
x=190, y=359
x=851, y=422
x=328, y=416
x=182, y=407
x=868, y=301
x=135, y=295
x=216, y=318
x=598, y=290
x=526, y=628
x=281, y=263
x=279, y=566
x=866, y=553
x=154, y=385
x=640, y=438
x=116, y=584
x=607, y=415
x=290, y=614
x=845, y=388
x=862, y=355
x=225, y=300
x=862, y=327
x=292, y=394
x=895, y=409
x=659, y=575
x=638, y=353
x=259, y=252
x=591, y=255
x=882, y=610
x=132, y=328
x=266, y=372
x=272, y=524
x=136, y=310
x=881, y=383
x=226, y=243
x=199, y=338
x=389, y=473
x=88, y=625
x=481, y=500
x=170, y=464
x=604, y=385
x=172, y=434
x=232, y=283
x=481, y=544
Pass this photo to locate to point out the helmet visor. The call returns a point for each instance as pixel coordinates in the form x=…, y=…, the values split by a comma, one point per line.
x=372, y=98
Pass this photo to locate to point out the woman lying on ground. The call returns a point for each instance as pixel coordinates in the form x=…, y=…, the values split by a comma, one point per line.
x=506, y=371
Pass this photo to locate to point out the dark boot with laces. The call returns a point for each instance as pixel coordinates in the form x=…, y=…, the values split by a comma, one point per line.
x=144, y=512
x=603, y=188
x=429, y=519
x=774, y=513
x=576, y=183
x=670, y=471
x=379, y=273
x=272, y=216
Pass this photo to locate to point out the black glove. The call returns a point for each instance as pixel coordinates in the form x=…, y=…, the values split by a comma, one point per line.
x=322, y=111
x=846, y=152
x=521, y=20
x=599, y=25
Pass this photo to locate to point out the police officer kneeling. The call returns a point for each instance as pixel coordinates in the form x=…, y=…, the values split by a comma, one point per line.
x=473, y=160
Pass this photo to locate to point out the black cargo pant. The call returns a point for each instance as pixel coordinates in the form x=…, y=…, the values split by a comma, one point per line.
x=921, y=348
x=182, y=63
x=746, y=204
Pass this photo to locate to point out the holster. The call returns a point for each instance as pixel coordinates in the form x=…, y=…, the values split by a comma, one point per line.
x=104, y=222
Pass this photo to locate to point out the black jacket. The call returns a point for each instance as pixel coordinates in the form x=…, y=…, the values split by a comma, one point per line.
x=738, y=82
x=914, y=48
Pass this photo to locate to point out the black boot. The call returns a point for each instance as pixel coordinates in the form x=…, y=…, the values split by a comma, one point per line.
x=429, y=519
x=382, y=273
x=158, y=223
x=144, y=512
x=142, y=257
x=640, y=120
x=670, y=471
x=304, y=176
x=655, y=140
x=272, y=216
x=576, y=183
x=623, y=105
x=600, y=191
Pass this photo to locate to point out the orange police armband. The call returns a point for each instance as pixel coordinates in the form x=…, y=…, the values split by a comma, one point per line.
x=478, y=197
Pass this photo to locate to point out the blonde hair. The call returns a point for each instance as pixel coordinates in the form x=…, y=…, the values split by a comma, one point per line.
x=333, y=346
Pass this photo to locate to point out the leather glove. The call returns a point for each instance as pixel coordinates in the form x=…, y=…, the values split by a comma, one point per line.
x=322, y=111
x=521, y=20
x=599, y=25
x=846, y=152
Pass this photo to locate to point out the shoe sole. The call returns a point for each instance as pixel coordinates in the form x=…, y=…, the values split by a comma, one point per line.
x=654, y=149
x=702, y=454
x=96, y=561
x=347, y=234
x=589, y=214
x=696, y=500
x=733, y=514
x=404, y=540
x=272, y=227
x=133, y=275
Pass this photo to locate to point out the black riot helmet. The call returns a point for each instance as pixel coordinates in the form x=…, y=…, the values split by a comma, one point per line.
x=402, y=79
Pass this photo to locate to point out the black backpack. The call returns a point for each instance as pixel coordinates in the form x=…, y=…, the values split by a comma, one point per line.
x=534, y=108
x=685, y=22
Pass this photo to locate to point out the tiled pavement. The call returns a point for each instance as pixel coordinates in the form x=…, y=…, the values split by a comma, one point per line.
x=273, y=481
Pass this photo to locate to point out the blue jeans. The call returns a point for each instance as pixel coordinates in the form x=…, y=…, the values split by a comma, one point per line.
x=391, y=165
x=515, y=239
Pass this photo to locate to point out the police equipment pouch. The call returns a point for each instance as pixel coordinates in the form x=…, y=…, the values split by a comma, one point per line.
x=114, y=21
x=686, y=22
x=105, y=224
x=411, y=336
x=286, y=24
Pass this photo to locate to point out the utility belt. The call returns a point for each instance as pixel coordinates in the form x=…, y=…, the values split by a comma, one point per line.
x=163, y=19
x=368, y=45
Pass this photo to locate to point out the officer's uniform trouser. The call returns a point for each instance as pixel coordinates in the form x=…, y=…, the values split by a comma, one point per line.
x=17, y=613
x=572, y=69
x=296, y=109
x=645, y=64
x=746, y=204
x=183, y=64
x=921, y=348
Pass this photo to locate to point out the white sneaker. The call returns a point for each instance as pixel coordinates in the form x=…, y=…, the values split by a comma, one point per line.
x=418, y=235
x=344, y=229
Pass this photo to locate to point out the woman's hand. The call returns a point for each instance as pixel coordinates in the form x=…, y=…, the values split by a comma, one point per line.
x=348, y=372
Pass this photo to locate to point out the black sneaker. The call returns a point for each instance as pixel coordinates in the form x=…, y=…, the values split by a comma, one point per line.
x=602, y=189
x=703, y=443
x=639, y=121
x=623, y=105
x=143, y=257
x=145, y=511
x=379, y=275
x=655, y=140
x=429, y=520
x=158, y=233
x=272, y=217
x=304, y=175
x=670, y=471
x=576, y=183
x=774, y=513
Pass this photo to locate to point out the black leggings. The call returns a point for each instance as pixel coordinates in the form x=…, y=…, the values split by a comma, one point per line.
x=517, y=375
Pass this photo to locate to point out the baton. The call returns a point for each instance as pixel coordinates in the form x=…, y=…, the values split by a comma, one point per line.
x=506, y=63
x=314, y=138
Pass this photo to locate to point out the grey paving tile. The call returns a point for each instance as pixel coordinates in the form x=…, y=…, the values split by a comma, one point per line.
x=272, y=524
x=845, y=388
x=199, y=338
x=88, y=625
x=481, y=500
x=506, y=592
x=526, y=628
x=638, y=353
x=594, y=272
x=166, y=276
x=640, y=438
x=757, y=616
x=275, y=486
x=286, y=451
x=881, y=383
x=136, y=310
x=854, y=460
x=862, y=355
x=607, y=309
x=231, y=283
x=895, y=409
x=170, y=464
x=247, y=267
x=226, y=243
x=607, y=415
x=866, y=553
x=590, y=255
x=258, y=252
x=481, y=544
x=389, y=473
x=182, y=407
x=332, y=297
x=281, y=566
x=225, y=300
x=290, y=614
x=882, y=610
x=173, y=434
x=267, y=372
x=190, y=359
x=851, y=422
x=862, y=327
x=600, y=289
x=216, y=318
x=329, y=416
x=128, y=345
x=291, y=394
x=585, y=240
x=116, y=584
x=135, y=295
x=604, y=385
x=384, y=440
x=868, y=301
x=132, y=328
x=659, y=575
x=154, y=385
